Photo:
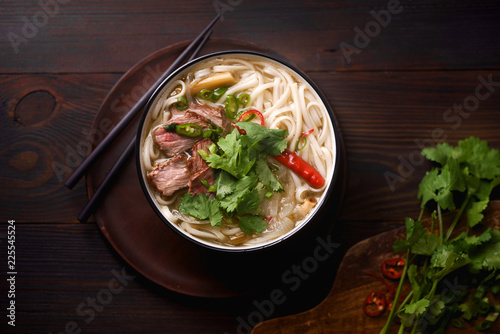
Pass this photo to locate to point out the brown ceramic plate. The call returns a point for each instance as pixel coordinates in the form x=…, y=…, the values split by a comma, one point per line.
x=342, y=310
x=137, y=233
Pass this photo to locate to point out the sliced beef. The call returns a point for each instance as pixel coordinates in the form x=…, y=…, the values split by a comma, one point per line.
x=199, y=168
x=215, y=115
x=174, y=112
x=171, y=175
x=172, y=143
x=195, y=181
x=196, y=162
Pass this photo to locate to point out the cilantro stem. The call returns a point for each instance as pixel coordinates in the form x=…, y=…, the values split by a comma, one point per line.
x=392, y=314
x=433, y=221
x=422, y=210
x=440, y=219
x=410, y=296
x=458, y=216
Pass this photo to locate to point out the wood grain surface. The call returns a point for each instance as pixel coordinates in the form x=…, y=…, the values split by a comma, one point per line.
x=430, y=74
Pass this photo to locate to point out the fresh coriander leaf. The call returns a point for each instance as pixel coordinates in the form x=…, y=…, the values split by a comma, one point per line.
x=406, y=318
x=252, y=224
x=240, y=189
x=417, y=239
x=450, y=261
x=464, y=242
x=249, y=202
x=435, y=309
x=263, y=140
x=484, y=188
x=439, y=154
x=234, y=159
x=472, y=183
x=482, y=161
x=223, y=184
x=266, y=176
x=418, y=307
x=469, y=309
x=426, y=188
x=441, y=255
x=426, y=244
x=439, y=184
x=201, y=207
x=474, y=212
x=488, y=255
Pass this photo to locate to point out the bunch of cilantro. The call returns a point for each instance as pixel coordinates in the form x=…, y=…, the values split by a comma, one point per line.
x=242, y=178
x=453, y=279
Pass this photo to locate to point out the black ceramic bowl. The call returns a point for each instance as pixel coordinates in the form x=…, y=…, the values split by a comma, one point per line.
x=151, y=111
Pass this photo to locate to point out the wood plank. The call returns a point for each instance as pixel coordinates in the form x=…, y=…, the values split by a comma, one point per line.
x=62, y=266
x=385, y=118
x=85, y=36
x=38, y=152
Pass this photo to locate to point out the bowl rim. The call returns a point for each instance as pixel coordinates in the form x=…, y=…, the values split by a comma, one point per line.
x=278, y=240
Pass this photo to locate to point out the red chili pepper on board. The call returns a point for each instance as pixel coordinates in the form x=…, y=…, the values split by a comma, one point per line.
x=375, y=304
x=393, y=268
x=302, y=168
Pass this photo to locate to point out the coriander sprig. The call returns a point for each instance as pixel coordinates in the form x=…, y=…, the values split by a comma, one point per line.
x=461, y=184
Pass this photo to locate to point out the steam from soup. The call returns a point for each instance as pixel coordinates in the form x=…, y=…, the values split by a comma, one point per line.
x=287, y=102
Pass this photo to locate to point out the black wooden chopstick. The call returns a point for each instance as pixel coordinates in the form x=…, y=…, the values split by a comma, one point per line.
x=89, y=209
x=89, y=160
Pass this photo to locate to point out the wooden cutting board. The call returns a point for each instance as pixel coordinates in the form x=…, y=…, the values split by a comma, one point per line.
x=341, y=311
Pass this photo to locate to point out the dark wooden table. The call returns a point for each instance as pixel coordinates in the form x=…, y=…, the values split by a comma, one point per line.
x=400, y=76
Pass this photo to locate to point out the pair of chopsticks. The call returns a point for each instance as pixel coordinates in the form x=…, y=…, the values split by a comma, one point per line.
x=192, y=48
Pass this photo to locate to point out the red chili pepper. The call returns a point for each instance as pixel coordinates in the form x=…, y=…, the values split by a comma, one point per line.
x=302, y=168
x=307, y=133
x=250, y=114
x=375, y=304
x=393, y=268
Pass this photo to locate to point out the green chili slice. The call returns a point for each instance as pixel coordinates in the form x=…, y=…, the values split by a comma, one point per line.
x=301, y=143
x=483, y=326
x=189, y=130
x=181, y=103
x=231, y=106
x=243, y=99
x=205, y=94
x=457, y=322
x=213, y=132
x=218, y=93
